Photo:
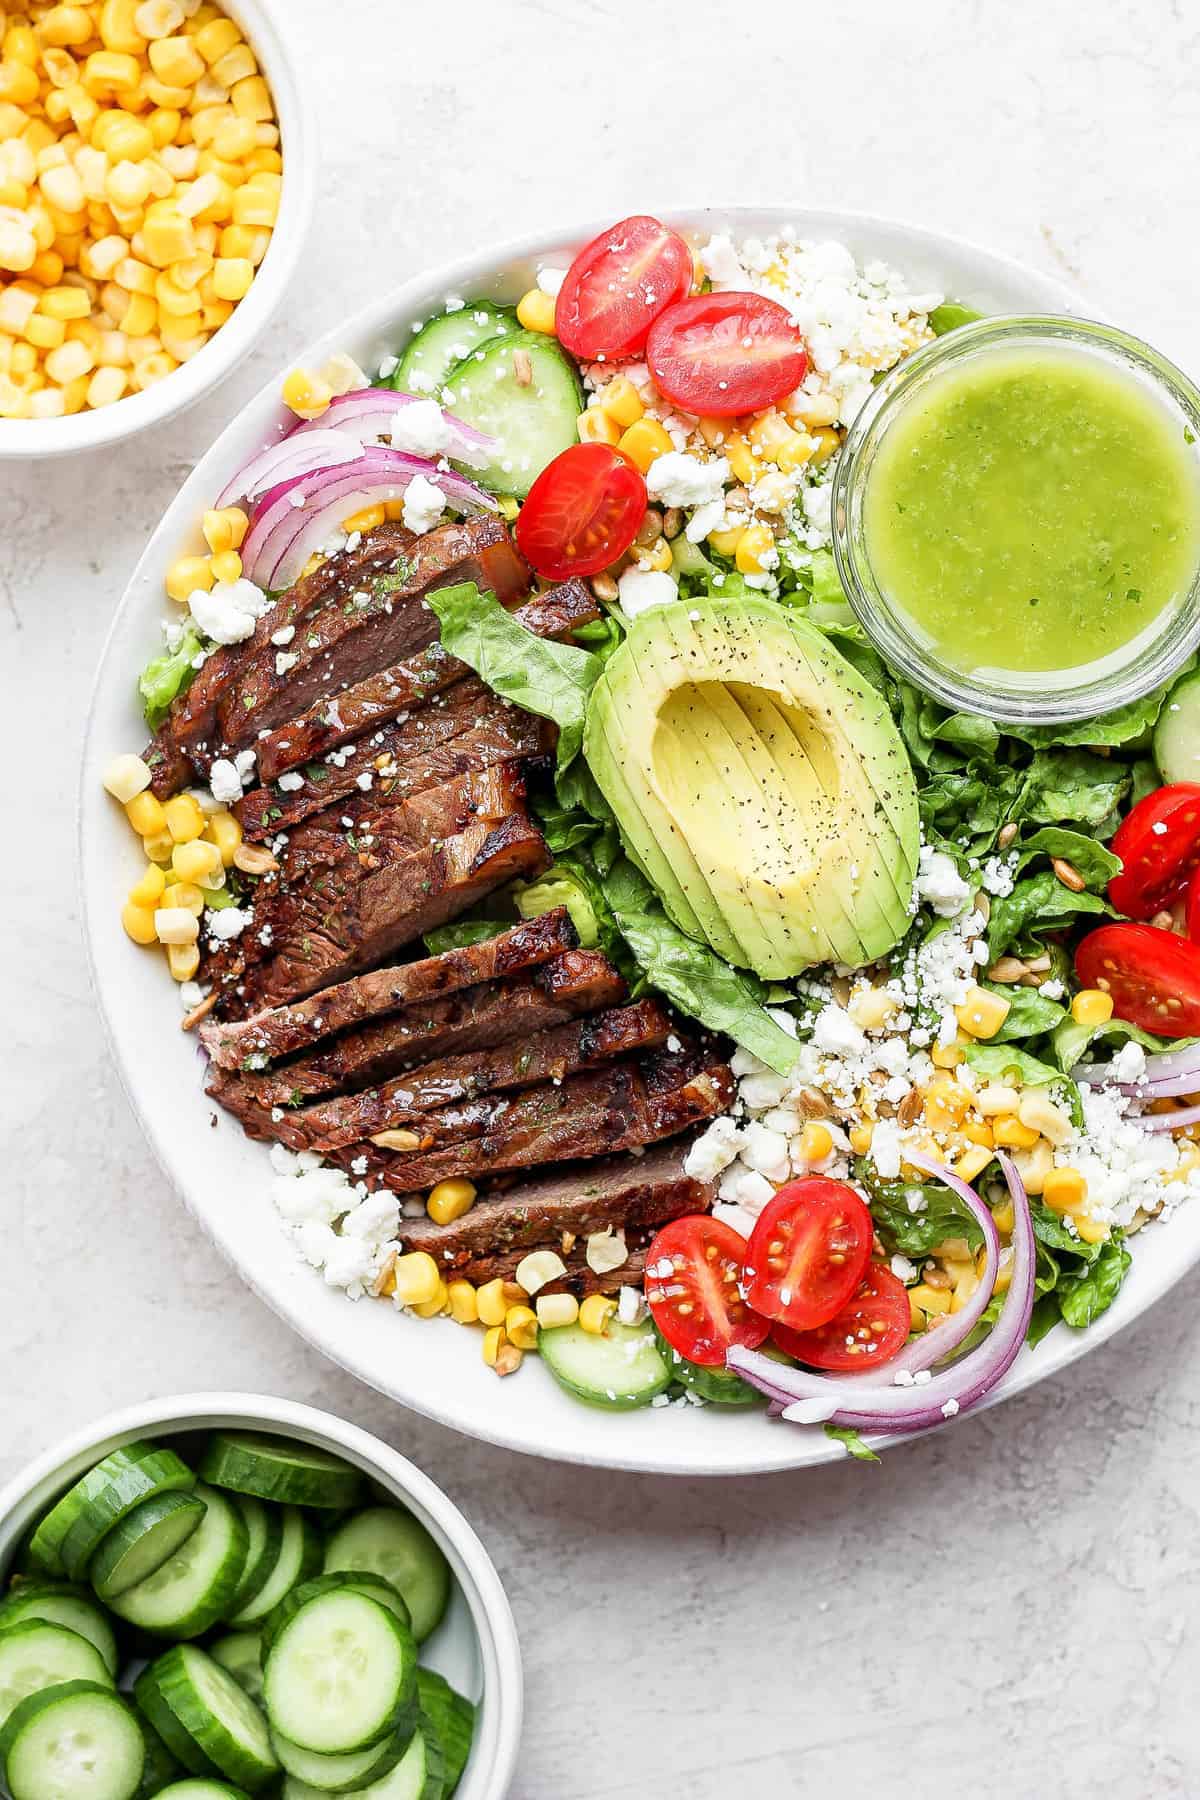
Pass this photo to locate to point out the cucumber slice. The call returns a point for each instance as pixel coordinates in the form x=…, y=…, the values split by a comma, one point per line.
x=59, y=1604
x=160, y=1767
x=419, y=1775
x=75, y=1741
x=64, y=1541
x=721, y=1387
x=452, y=1716
x=1177, y=734
x=344, y=1774
x=205, y=1718
x=387, y=1541
x=341, y=1675
x=143, y=1541
x=622, y=1369
x=442, y=342
x=299, y=1559
x=278, y=1469
x=264, y=1526
x=362, y=1581
x=192, y=1590
x=38, y=1655
x=532, y=421
x=200, y=1790
x=241, y=1653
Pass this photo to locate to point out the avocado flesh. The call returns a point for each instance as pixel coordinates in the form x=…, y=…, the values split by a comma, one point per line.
x=759, y=783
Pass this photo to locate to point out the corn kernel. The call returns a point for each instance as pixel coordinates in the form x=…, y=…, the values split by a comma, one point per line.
x=1092, y=1007
x=167, y=236
x=644, y=442
x=622, y=402
x=929, y=1300
x=106, y=386
x=176, y=925
x=225, y=832
x=225, y=529
x=215, y=39
x=1039, y=1112
x=977, y=1131
x=776, y=442
x=464, y=1307
x=982, y=1013
x=521, y=1327
x=595, y=1312
x=187, y=574
x=19, y=85
x=369, y=519
x=254, y=205
x=139, y=923
x=1033, y=1165
x=65, y=26
x=756, y=550
x=1092, y=1231
x=535, y=311
x=252, y=99
x=725, y=543
x=158, y=847
x=816, y=1143
x=438, y=1302
x=492, y=1302
x=184, y=818
x=417, y=1278
x=45, y=334
x=555, y=1310
x=741, y=458
x=595, y=426
x=1064, y=1190
x=946, y=1056
x=449, y=1200
x=126, y=777
x=860, y=1139
x=227, y=566
x=232, y=277
x=826, y=443
x=197, y=860
x=307, y=395
x=493, y=1343
x=534, y=1271
x=185, y=894
x=145, y=813
x=149, y=889
x=972, y=1162
x=1009, y=1133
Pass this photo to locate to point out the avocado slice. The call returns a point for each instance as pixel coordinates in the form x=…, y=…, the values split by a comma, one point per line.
x=760, y=784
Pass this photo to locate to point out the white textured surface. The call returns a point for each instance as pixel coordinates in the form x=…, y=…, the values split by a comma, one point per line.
x=998, y=1612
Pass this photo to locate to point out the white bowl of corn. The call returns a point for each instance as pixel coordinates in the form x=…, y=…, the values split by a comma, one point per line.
x=156, y=183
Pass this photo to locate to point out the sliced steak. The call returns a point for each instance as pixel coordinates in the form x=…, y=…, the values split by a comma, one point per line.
x=473, y=1019
x=381, y=623
x=362, y=907
x=524, y=1062
x=621, y=1107
x=634, y=1193
x=185, y=742
x=270, y=1035
x=368, y=704
x=469, y=729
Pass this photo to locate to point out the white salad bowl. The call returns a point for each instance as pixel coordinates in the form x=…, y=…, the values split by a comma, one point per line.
x=436, y=1367
x=266, y=28
x=475, y=1647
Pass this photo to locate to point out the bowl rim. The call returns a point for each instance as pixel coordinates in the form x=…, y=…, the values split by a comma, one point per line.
x=502, y=1705
x=331, y=1328
x=263, y=25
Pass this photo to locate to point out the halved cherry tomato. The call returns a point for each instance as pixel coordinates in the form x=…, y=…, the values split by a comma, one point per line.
x=808, y=1252
x=693, y=1290
x=618, y=285
x=1152, y=975
x=721, y=354
x=583, y=511
x=868, y=1331
x=1193, y=908
x=1159, y=844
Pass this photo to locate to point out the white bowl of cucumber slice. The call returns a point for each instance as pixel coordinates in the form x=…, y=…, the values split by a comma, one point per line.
x=216, y=1596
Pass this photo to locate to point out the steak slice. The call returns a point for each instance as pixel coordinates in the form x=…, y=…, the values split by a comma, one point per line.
x=382, y=623
x=186, y=741
x=470, y=729
x=621, y=1107
x=473, y=1019
x=517, y=1063
x=381, y=697
x=270, y=1035
x=362, y=907
x=634, y=1193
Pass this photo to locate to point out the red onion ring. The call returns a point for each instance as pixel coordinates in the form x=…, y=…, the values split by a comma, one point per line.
x=285, y=459
x=1172, y=1121
x=862, y=1403
x=366, y=412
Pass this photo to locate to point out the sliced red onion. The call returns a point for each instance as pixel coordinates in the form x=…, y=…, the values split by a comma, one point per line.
x=918, y=1399
x=287, y=458
x=1163, y=1066
x=1170, y=1121
x=366, y=412
x=285, y=533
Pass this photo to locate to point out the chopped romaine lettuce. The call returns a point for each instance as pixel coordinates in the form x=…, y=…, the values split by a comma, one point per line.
x=166, y=676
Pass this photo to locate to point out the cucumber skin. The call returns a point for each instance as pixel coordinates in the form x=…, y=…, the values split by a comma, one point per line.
x=361, y=1581
x=120, y=1541
x=720, y=1387
x=404, y=1702
x=44, y=1548
x=160, y=1766
x=233, y=1666
x=424, y=1621
x=180, y=1744
x=33, y=1704
x=311, y=1554
x=127, y=1486
x=200, y=1790
x=1176, y=765
x=234, y=1461
x=536, y=343
x=152, y=1691
x=258, y=1571
x=453, y=1718
x=412, y=349
x=92, y=1679
x=385, y=1758
x=591, y=1395
x=200, y=1619
x=21, y=1603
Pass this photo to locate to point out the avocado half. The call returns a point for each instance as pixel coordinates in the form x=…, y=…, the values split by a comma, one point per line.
x=760, y=783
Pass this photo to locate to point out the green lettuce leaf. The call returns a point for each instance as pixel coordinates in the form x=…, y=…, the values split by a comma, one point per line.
x=846, y=1434
x=564, y=884
x=1071, y=1042
x=950, y=315
x=1126, y=725
x=1096, y=864
x=1083, y=1296
x=939, y=1214
x=462, y=933
x=1029, y=1013
x=166, y=676
x=1072, y=784
x=1038, y=904
x=993, y=1059
x=549, y=679
x=690, y=974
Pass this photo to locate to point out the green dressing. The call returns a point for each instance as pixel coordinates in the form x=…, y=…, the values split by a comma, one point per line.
x=1033, y=510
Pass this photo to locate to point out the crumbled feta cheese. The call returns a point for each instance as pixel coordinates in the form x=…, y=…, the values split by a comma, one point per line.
x=713, y=1150
x=551, y=280
x=422, y=429
x=640, y=589
x=290, y=782
x=228, y=776
x=766, y=1152
x=424, y=504
x=679, y=479
x=902, y=1269
x=885, y=1148
x=228, y=611
x=940, y=885
x=228, y=923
